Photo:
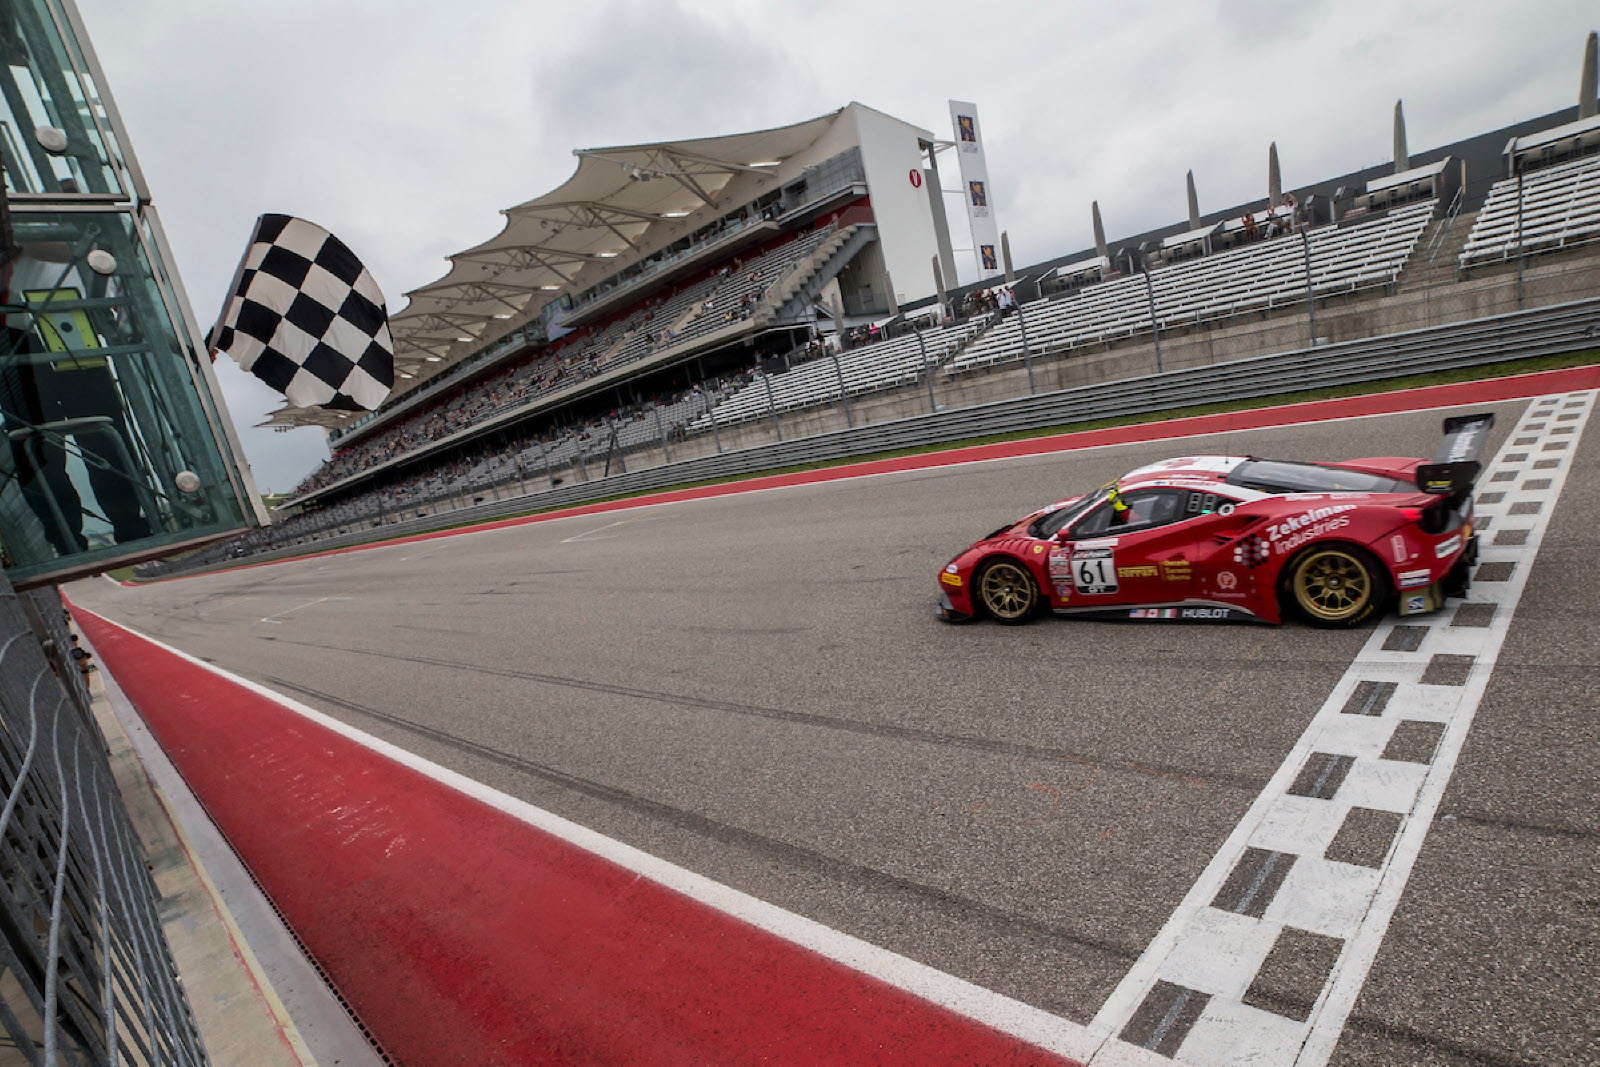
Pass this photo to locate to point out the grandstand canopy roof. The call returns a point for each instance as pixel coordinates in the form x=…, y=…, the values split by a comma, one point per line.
x=1406, y=176
x=612, y=207
x=1564, y=132
x=1100, y=263
x=1190, y=236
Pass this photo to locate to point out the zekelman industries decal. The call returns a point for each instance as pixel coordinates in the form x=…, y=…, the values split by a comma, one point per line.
x=1297, y=523
x=1307, y=526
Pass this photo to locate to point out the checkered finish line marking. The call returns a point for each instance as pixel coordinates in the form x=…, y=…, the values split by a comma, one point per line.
x=1264, y=959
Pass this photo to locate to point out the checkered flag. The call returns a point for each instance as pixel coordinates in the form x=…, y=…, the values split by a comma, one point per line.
x=308, y=319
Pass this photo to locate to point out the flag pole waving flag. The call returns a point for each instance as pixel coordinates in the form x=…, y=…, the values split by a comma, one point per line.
x=306, y=317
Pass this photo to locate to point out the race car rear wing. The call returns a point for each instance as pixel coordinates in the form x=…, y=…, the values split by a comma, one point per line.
x=1455, y=465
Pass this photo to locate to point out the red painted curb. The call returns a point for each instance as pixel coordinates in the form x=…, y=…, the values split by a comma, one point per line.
x=1432, y=396
x=461, y=934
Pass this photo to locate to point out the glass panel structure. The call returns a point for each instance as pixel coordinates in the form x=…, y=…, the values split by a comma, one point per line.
x=116, y=448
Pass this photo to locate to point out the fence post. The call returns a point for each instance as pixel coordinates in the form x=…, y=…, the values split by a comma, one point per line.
x=927, y=368
x=711, y=413
x=1311, y=293
x=662, y=433
x=1516, y=165
x=1155, y=327
x=844, y=394
x=772, y=407
x=1027, y=355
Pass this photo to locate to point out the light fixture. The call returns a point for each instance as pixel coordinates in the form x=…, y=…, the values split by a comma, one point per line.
x=607, y=255
x=463, y=339
x=52, y=139
x=550, y=288
x=101, y=262
x=767, y=163
x=406, y=374
x=434, y=359
x=673, y=214
x=503, y=315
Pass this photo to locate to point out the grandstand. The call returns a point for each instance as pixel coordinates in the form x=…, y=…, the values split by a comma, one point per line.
x=1261, y=276
x=1550, y=202
x=864, y=370
x=676, y=299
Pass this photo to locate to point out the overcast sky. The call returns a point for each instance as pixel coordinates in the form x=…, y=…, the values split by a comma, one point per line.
x=406, y=125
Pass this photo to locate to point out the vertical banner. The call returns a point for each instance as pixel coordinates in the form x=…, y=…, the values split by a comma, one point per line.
x=975, y=188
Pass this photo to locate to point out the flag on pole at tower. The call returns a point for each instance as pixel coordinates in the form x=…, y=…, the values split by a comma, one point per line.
x=306, y=316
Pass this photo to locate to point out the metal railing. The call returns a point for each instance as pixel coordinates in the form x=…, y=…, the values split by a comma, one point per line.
x=1517, y=335
x=88, y=975
x=1431, y=250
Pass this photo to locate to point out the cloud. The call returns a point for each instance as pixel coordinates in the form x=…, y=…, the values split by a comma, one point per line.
x=662, y=71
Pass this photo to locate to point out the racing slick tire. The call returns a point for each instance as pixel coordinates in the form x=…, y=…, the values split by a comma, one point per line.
x=1335, y=586
x=1006, y=592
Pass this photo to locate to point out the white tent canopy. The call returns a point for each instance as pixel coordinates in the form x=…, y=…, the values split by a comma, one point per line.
x=620, y=204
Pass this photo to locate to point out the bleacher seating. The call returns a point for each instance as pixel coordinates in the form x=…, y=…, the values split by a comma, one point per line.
x=870, y=368
x=1560, y=208
x=1258, y=276
x=694, y=311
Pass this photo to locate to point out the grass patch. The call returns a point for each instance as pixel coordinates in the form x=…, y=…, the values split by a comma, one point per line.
x=120, y=574
x=1388, y=385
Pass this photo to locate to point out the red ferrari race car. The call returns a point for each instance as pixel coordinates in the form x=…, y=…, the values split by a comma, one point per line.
x=1238, y=539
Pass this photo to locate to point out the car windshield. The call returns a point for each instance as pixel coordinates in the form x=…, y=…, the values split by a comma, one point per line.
x=1050, y=525
x=1273, y=476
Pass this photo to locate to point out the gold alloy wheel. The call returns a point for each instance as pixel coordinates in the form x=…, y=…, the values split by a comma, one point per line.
x=1008, y=591
x=1332, y=585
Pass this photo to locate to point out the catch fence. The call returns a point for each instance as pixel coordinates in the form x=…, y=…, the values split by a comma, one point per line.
x=88, y=976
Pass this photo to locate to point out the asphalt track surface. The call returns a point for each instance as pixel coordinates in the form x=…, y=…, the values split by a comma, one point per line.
x=754, y=687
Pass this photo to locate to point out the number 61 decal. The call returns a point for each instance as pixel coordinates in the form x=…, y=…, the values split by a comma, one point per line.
x=1094, y=571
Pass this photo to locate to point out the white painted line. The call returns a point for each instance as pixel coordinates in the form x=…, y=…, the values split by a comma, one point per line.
x=274, y=618
x=1219, y=952
x=992, y=1009
x=588, y=535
